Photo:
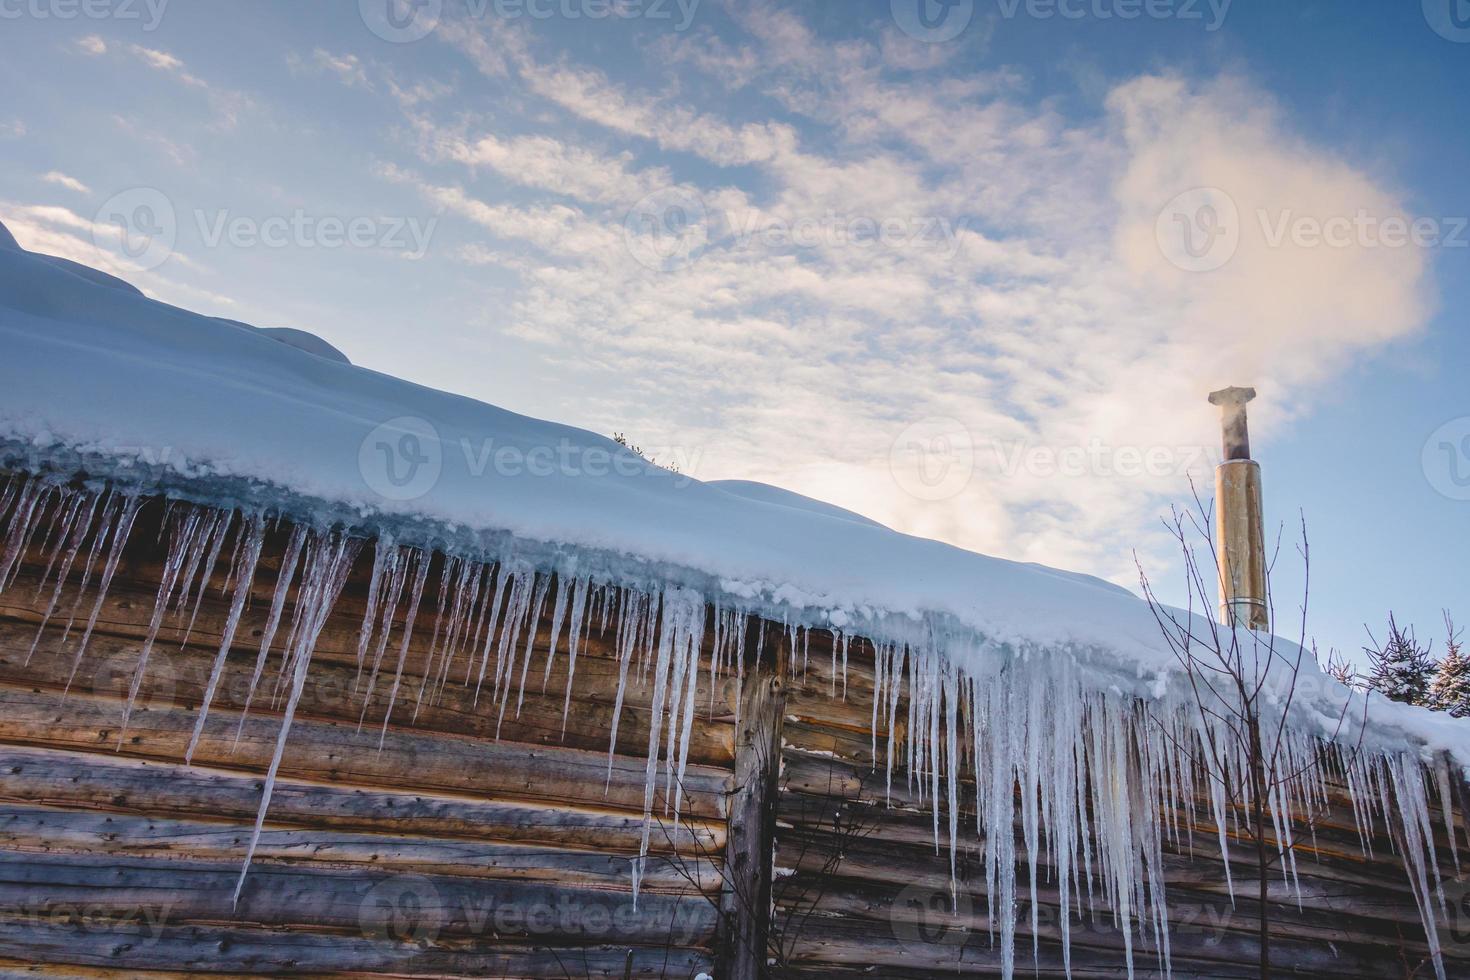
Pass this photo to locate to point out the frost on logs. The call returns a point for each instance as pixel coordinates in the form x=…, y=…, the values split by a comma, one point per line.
x=1096, y=779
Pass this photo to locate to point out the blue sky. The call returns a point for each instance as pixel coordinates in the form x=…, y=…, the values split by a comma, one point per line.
x=937, y=274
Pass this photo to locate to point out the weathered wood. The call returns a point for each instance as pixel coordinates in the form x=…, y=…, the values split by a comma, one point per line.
x=111, y=783
x=42, y=830
x=338, y=753
x=746, y=900
x=132, y=951
x=179, y=675
x=408, y=905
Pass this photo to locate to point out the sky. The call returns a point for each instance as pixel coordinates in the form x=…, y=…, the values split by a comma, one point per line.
x=969, y=267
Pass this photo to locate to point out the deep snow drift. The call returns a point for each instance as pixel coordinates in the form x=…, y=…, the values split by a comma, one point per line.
x=1043, y=669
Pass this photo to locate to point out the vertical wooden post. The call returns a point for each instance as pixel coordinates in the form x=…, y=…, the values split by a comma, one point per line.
x=1460, y=794
x=745, y=901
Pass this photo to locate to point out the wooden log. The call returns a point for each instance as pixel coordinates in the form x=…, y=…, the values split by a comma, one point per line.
x=125, y=952
x=44, y=830
x=337, y=753
x=179, y=675
x=937, y=946
x=746, y=901
x=406, y=906
x=111, y=783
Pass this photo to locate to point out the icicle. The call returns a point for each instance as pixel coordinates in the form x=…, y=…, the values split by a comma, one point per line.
x=1446, y=803
x=188, y=536
x=121, y=527
x=208, y=562
x=385, y=555
x=322, y=581
x=574, y=639
x=415, y=595
x=493, y=607
x=398, y=563
x=475, y=605
x=294, y=547
x=63, y=523
x=30, y=505
x=252, y=538
x=558, y=615
x=81, y=528
x=462, y=602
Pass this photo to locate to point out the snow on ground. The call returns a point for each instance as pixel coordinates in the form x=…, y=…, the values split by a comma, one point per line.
x=94, y=374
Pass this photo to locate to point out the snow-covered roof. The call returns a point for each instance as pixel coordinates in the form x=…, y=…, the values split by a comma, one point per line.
x=95, y=375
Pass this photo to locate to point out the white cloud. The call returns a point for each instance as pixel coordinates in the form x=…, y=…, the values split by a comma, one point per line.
x=1056, y=335
x=62, y=180
x=347, y=68
x=226, y=105
x=92, y=44
x=549, y=164
x=163, y=61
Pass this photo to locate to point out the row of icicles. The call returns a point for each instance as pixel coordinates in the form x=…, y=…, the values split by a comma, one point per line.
x=1097, y=781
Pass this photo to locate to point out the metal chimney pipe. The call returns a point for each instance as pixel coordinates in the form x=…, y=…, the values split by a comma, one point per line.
x=1240, y=540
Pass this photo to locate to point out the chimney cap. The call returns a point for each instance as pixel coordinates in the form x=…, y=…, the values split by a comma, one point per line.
x=1232, y=396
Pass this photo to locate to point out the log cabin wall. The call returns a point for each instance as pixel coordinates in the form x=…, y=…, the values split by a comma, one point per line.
x=448, y=851
x=444, y=851
x=864, y=890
